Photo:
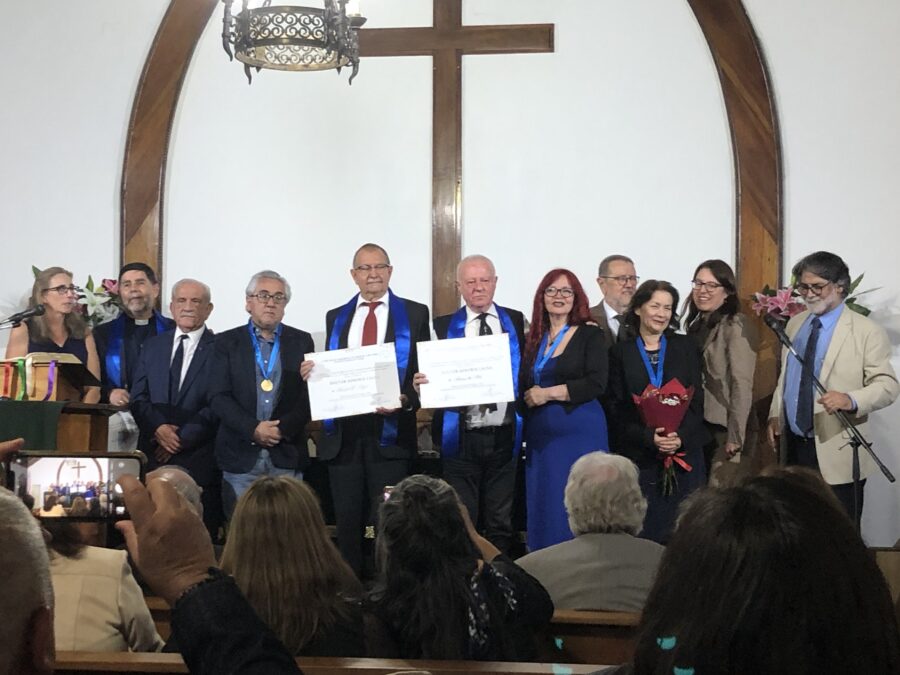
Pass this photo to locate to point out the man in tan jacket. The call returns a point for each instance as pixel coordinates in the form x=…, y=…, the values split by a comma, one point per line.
x=851, y=356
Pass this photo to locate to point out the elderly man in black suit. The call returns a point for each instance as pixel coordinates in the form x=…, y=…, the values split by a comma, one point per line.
x=170, y=398
x=480, y=444
x=364, y=453
x=617, y=280
x=257, y=393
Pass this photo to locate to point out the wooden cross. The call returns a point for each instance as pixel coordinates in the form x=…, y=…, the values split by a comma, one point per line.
x=446, y=41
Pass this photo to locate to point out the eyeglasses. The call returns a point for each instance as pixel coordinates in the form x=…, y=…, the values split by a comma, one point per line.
x=553, y=291
x=708, y=285
x=815, y=289
x=63, y=290
x=368, y=268
x=263, y=297
x=623, y=279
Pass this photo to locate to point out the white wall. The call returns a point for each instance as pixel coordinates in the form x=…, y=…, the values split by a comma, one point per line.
x=615, y=142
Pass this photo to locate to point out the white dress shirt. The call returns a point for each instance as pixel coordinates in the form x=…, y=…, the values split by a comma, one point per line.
x=354, y=337
x=190, y=346
x=478, y=416
x=611, y=319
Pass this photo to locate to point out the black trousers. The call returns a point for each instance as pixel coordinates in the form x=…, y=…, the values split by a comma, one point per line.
x=484, y=476
x=357, y=477
x=801, y=451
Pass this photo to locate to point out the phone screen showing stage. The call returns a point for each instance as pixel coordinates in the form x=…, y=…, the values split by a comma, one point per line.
x=74, y=486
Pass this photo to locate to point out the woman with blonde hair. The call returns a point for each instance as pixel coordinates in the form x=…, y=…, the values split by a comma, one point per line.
x=281, y=557
x=61, y=329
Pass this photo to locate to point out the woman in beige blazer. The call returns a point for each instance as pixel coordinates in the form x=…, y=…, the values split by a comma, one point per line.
x=99, y=606
x=728, y=342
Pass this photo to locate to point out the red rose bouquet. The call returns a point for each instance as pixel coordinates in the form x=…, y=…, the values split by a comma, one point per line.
x=666, y=407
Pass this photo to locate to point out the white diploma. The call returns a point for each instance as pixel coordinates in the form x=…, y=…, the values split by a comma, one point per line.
x=356, y=381
x=466, y=371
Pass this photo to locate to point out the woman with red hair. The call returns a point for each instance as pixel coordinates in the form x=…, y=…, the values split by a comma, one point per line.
x=564, y=373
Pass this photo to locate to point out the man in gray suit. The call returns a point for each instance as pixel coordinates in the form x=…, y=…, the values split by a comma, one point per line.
x=605, y=567
x=617, y=281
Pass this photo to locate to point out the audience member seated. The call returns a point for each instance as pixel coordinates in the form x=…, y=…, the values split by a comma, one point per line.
x=285, y=564
x=99, y=606
x=445, y=592
x=767, y=577
x=79, y=508
x=52, y=508
x=606, y=566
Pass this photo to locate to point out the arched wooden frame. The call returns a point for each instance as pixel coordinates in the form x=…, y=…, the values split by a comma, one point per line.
x=746, y=90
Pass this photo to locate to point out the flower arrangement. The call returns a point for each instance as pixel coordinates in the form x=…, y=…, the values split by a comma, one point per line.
x=98, y=304
x=786, y=301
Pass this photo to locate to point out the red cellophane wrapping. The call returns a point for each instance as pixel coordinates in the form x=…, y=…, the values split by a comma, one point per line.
x=664, y=407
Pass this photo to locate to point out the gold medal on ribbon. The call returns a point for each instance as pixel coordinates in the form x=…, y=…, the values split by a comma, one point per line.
x=266, y=385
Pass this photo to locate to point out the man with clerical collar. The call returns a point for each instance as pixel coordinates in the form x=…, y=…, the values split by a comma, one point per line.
x=257, y=393
x=480, y=444
x=364, y=453
x=119, y=346
x=851, y=356
x=617, y=280
x=171, y=396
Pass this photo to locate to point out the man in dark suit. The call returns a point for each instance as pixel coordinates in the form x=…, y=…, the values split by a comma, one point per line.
x=170, y=398
x=257, y=393
x=617, y=280
x=119, y=346
x=480, y=444
x=364, y=453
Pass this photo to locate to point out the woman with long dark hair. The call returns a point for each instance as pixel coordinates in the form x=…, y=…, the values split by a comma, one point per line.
x=61, y=329
x=727, y=340
x=563, y=375
x=671, y=464
x=444, y=591
x=281, y=557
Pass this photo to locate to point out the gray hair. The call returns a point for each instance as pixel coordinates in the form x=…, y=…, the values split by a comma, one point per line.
x=371, y=247
x=608, y=260
x=603, y=495
x=183, y=483
x=268, y=274
x=27, y=586
x=475, y=258
x=207, y=294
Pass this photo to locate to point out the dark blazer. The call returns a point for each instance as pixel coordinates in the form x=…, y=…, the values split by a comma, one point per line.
x=419, y=331
x=441, y=326
x=583, y=367
x=629, y=376
x=101, y=339
x=233, y=393
x=191, y=413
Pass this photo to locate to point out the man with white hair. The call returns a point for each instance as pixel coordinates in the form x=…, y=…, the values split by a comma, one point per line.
x=26, y=602
x=606, y=566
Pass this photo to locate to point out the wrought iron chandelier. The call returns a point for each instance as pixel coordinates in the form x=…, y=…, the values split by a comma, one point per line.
x=287, y=37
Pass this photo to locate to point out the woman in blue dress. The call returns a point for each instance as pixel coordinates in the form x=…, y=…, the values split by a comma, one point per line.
x=564, y=373
x=61, y=329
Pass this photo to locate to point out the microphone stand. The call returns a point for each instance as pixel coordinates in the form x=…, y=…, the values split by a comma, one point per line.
x=857, y=440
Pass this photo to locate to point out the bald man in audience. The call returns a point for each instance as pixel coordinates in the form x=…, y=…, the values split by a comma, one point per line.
x=617, y=280
x=26, y=601
x=606, y=566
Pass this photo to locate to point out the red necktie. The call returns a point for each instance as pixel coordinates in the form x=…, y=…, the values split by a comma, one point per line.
x=370, y=327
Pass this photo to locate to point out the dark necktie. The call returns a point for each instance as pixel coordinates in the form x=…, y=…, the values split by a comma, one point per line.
x=484, y=329
x=175, y=370
x=622, y=333
x=370, y=326
x=807, y=388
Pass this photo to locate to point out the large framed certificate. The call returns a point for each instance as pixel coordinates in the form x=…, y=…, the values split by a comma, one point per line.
x=347, y=382
x=466, y=371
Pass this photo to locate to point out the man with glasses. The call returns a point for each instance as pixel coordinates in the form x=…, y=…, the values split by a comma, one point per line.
x=119, y=346
x=617, y=280
x=851, y=356
x=257, y=392
x=364, y=453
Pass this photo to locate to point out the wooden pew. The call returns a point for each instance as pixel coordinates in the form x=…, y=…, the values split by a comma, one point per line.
x=888, y=561
x=82, y=663
x=582, y=636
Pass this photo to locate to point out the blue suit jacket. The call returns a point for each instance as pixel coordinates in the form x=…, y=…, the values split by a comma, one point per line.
x=192, y=412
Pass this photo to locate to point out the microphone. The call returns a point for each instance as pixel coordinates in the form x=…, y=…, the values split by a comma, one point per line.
x=18, y=317
x=777, y=326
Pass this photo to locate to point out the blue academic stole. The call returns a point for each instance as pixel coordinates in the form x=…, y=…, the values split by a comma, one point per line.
x=115, y=348
x=402, y=346
x=450, y=429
